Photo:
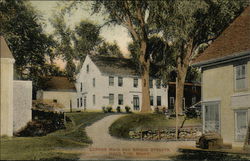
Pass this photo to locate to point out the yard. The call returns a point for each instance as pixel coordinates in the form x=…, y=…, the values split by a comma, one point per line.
x=37, y=148
x=124, y=125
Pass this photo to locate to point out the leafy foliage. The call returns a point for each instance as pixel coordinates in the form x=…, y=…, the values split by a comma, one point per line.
x=109, y=49
x=30, y=47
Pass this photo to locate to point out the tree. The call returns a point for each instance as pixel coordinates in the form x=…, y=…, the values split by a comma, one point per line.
x=25, y=37
x=188, y=25
x=74, y=44
x=109, y=49
x=135, y=17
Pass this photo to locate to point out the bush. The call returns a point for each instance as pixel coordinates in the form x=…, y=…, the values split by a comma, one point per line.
x=109, y=109
x=118, y=109
x=104, y=109
x=191, y=113
x=156, y=110
x=127, y=108
x=164, y=110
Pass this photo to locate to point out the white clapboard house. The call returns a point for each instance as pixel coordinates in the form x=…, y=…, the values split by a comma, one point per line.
x=109, y=81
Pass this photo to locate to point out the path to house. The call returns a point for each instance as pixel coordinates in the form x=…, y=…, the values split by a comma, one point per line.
x=106, y=146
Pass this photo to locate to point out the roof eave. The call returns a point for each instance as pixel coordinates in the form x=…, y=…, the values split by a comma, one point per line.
x=221, y=60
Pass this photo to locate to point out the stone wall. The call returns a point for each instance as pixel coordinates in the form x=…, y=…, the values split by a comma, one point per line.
x=187, y=133
x=22, y=103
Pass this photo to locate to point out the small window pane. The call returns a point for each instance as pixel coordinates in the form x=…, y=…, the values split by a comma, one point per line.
x=135, y=82
x=120, y=81
x=93, y=99
x=152, y=100
x=120, y=99
x=93, y=82
x=241, y=125
x=158, y=100
x=111, y=99
x=111, y=81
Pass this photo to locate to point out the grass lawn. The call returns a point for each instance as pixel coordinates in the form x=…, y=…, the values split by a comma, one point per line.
x=122, y=126
x=36, y=148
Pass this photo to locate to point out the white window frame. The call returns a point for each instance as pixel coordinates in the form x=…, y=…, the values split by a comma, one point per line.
x=87, y=68
x=135, y=82
x=120, y=96
x=111, y=101
x=204, y=113
x=120, y=81
x=158, y=100
x=111, y=80
x=242, y=77
x=152, y=99
x=94, y=99
x=93, y=82
x=235, y=124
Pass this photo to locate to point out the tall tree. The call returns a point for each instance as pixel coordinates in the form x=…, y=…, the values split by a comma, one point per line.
x=135, y=17
x=28, y=43
x=189, y=25
x=74, y=44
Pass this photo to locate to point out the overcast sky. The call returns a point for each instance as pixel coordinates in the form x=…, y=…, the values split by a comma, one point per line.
x=110, y=33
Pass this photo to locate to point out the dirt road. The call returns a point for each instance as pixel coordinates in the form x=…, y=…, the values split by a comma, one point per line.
x=106, y=146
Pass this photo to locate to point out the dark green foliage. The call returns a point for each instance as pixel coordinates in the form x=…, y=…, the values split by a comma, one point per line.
x=127, y=109
x=118, y=109
x=109, y=49
x=28, y=44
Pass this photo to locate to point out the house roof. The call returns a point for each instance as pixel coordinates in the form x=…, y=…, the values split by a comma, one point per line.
x=115, y=66
x=4, y=49
x=60, y=83
x=234, y=41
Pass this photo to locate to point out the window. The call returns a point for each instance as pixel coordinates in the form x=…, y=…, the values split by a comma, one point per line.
x=158, y=83
x=81, y=101
x=93, y=99
x=55, y=100
x=111, y=99
x=171, y=102
x=120, y=99
x=78, y=102
x=150, y=83
x=240, y=125
x=193, y=100
x=87, y=68
x=135, y=82
x=151, y=100
x=111, y=81
x=158, y=100
x=85, y=101
x=93, y=82
x=212, y=117
x=120, y=81
x=240, y=77
x=81, y=87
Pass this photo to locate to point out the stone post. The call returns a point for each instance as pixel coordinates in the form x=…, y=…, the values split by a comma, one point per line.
x=6, y=89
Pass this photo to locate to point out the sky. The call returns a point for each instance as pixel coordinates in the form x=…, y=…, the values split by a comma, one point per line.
x=109, y=33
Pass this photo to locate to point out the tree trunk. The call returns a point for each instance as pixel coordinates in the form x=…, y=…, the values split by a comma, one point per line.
x=145, y=79
x=180, y=81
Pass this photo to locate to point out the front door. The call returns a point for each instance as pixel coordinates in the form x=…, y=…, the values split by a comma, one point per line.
x=211, y=117
x=136, y=102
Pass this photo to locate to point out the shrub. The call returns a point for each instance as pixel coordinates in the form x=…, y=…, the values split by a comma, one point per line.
x=118, y=109
x=164, y=110
x=109, y=109
x=104, y=109
x=156, y=110
x=127, y=108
